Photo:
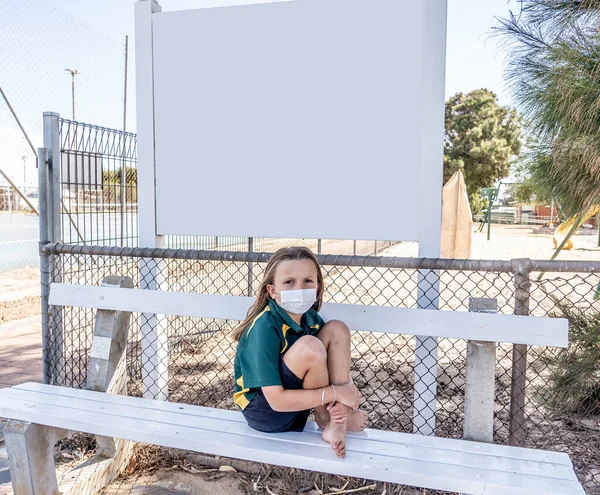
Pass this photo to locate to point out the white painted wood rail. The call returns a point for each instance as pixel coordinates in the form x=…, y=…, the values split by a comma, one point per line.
x=452, y=324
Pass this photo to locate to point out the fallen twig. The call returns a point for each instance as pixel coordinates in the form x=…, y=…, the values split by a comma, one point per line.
x=217, y=476
x=339, y=490
x=269, y=491
x=217, y=462
x=193, y=470
x=354, y=490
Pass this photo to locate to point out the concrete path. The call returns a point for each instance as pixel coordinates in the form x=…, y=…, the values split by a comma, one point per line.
x=20, y=361
x=21, y=352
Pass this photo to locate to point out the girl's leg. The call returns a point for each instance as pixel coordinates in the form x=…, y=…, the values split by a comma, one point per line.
x=307, y=359
x=335, y=337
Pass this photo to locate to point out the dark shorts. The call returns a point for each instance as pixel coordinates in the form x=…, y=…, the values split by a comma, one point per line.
x=262, y=417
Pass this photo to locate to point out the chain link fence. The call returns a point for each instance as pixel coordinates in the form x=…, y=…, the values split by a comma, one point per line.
x=201, y=351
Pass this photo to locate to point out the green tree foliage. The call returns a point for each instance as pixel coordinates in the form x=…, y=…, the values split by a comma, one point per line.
x=112, y=185
x=524, y=192
x=573, y=385
x=482, y=138
x=114, y=176
x=554, y=71
x=520, y=193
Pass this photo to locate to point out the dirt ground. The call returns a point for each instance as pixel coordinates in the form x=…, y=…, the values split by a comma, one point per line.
x=518, y=241
x=168, y=481
x=19, y=294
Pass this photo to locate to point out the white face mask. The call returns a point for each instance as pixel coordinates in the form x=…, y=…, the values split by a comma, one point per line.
x=298, y=301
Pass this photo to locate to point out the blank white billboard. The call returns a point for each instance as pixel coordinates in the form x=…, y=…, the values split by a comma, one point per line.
x=293, y=119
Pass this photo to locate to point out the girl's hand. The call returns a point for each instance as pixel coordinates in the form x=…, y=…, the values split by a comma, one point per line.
x=338, y=412
x=348, y=395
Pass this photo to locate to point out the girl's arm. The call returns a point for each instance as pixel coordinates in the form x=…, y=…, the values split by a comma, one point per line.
x=282, y=400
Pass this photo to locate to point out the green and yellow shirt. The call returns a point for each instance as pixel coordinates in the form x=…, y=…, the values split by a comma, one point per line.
x=263, y=344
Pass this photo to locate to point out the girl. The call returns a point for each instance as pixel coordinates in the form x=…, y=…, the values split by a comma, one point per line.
x=288, y=360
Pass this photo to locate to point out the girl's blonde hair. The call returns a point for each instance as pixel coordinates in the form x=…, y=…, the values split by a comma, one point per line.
x=262, y=298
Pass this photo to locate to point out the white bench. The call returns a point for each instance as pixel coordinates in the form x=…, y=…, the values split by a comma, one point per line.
x=48, y=412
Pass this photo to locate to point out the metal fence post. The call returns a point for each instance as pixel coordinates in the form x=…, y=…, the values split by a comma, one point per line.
x=52, y=144
x=521, y=270
x=319, y=246
x=250, y=266
x=45, y=263
x=50, y=187
x=354, y=248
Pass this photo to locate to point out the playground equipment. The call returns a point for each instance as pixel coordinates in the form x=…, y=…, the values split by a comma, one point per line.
x=564, y=231
x=491, y=195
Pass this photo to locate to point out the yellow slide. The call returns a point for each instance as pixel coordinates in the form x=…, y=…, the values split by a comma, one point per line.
x=564, y=228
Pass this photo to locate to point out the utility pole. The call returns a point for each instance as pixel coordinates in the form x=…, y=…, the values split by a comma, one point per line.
x=125, y=87
x=73, y=72
x=123, y=162
x=24, y=158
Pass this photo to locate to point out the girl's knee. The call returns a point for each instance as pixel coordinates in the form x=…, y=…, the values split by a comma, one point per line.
x=337, y=328
x=311, y=348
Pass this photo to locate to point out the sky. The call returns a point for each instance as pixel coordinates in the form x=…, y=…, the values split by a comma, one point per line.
x=474, y=60
x=40, y=38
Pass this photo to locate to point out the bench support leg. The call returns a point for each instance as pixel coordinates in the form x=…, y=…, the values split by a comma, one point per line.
x=107, y=369
x=106, y=373
x=479, y=393
x=30, y=449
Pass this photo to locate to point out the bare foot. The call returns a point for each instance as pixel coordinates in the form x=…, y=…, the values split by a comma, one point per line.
x=322, y=421
x=335, y=435
x=357, y=421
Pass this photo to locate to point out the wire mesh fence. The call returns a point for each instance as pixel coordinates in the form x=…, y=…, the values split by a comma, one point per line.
x=99, y=199
x=200, y=351
x=18, y=227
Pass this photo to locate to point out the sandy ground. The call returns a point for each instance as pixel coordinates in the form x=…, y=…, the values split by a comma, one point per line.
x=169, y=482
x=516, y=241
x=19, y=294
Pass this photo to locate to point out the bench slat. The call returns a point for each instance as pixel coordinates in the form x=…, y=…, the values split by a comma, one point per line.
x=452, y=324
x=227, y=438
x=401, y=451
x=198, y=413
